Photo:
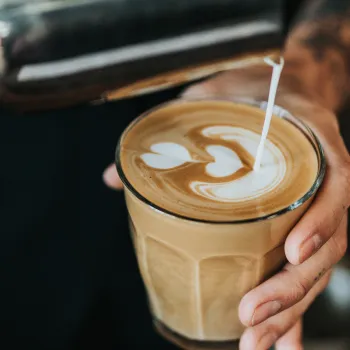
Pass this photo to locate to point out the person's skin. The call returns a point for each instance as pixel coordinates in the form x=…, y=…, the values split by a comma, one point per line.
x=315, y=85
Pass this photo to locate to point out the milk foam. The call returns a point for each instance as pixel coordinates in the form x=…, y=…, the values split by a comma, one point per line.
x=226, y=162
x=167, y=155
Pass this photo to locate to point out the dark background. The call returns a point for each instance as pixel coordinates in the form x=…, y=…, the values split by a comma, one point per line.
x=69, y=278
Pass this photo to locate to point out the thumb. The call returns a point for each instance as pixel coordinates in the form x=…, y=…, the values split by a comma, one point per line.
x=111, y=178
x=204, y=89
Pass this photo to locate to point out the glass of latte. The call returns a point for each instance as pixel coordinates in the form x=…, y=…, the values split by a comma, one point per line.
x=206, y=227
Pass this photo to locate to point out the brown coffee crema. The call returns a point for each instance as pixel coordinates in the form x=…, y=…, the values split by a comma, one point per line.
x=196, y=158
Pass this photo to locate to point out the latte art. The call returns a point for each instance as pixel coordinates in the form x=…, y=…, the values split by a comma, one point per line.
x=252, y=184
x=166, y=156
x=196, y=159
x=226, y=162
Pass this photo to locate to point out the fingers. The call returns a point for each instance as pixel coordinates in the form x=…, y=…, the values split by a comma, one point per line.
x=111, y=178
x=207, y=88
x=321, y=220
x=293, y=283
x=292, y=340
x=264, y=335
x=249, y=81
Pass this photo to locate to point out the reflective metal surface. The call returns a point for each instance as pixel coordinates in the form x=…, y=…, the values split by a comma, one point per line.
x=58, y=52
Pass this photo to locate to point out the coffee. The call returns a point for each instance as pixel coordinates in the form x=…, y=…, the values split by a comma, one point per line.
x=206, y=227
x=195, y=159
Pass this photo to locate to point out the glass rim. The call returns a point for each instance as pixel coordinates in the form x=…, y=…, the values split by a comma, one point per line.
x=249, y=102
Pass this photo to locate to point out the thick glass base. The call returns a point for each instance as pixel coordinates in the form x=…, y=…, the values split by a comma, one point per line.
x=188, y=344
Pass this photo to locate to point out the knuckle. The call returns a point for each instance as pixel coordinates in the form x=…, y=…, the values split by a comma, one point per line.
x=274, y=329
x=300, y=286
x=281, y=328
x=258, y=333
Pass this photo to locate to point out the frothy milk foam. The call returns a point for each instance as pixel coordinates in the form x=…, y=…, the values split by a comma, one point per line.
x=195, y=159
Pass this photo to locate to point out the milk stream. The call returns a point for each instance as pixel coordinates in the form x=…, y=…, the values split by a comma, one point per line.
x=276, y=74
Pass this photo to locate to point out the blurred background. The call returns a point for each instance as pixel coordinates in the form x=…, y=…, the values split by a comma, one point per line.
x=68, y=274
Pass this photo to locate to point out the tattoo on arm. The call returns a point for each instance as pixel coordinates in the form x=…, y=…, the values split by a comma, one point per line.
x=320, y=275
x=323, y=29
x=331, y=27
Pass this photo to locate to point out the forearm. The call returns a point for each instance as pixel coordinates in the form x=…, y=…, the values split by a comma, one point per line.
x=317, y=53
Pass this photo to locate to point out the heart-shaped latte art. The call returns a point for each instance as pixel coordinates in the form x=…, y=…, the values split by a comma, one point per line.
x=226, y=161
x=169, y=155
x=166, y=155
x=252, y=184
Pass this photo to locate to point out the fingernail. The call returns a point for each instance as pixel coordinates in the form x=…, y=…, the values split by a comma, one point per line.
x=309, y=247
x=265, y=311
x=266, y=341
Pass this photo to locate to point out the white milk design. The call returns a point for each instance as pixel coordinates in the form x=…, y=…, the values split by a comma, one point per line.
x=226, y=162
